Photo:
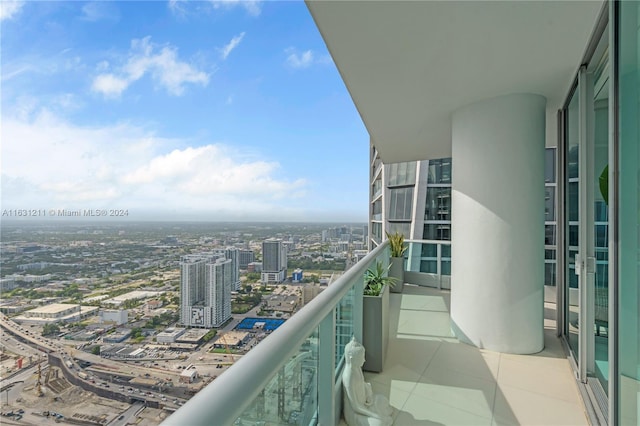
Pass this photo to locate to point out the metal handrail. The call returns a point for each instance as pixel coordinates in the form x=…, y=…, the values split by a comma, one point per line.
x=226, y=398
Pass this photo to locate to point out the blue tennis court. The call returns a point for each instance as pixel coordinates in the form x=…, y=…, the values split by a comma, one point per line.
x=270, y=324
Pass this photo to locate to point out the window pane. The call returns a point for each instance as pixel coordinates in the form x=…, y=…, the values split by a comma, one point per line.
x=401, y=228
x=573, y=201
x=550, y=203
x=401, y=202
x=439, y=171
x=550, y=273
x=550, y=165
x=429, y=266
x=550, y=235
x=437, y=231
x=429, y=250
x=438, y=204
x=445, y=267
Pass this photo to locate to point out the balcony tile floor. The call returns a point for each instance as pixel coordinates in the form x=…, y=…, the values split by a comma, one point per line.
x=431, y=378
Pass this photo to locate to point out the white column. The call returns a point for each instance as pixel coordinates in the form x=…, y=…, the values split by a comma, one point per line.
x=497, y=271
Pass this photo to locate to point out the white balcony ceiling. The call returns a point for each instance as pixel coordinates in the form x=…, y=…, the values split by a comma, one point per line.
x=409, y=65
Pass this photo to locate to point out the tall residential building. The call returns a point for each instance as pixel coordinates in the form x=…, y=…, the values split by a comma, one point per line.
x=274, y=261
x=246, y=257
x=205, y=290
x=412, y=198
x=232, y=254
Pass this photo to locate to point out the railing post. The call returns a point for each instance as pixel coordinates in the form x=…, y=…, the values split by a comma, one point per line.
x=439, y=264
x=326, y=370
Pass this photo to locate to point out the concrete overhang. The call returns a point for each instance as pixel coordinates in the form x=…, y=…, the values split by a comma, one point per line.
x=409, y=64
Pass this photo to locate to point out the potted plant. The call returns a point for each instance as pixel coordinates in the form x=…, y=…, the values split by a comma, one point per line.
x=396, y=263
x=375, y=316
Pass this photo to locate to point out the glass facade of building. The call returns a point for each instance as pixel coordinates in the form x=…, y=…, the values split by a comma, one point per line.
x=628, y=67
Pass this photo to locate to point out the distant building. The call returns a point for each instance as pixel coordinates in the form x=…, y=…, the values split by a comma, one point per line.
x=188, y=375
x=232, y=339
x=192, y=336
x=169, y=335
x=245, y=258
x=7, y=284
x=170, y=240
x=205, y=290
x=118, y=316
x=254, y=267
x=118, y=336
x=153, y=304
x=132, y=295
x=232, y=254
x=296, y=277
x=57, y=312
x=309, y=292
x=274, y=261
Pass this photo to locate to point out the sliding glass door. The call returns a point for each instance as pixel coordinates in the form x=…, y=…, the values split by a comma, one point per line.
x=586, y=241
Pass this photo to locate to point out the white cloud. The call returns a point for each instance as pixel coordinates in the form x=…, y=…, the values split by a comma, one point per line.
x=110, y=85
x=50, y=163
x=9, y=9
x=235, y=41
x=177, y=7
x=253, y=7
x=297, y=59
x=300, y=61
x=144, y=58
x=100, y=10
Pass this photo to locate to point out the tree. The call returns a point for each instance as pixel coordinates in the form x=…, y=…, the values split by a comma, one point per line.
x=50, y=329
x=210, y=335
x=96, y=350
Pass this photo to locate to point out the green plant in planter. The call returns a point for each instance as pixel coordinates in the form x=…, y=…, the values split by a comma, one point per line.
x=375, y=280
x=396, y=243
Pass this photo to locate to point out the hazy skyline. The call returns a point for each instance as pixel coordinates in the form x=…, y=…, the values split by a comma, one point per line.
x=178, y=110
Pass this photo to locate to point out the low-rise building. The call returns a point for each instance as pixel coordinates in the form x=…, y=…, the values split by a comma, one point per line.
x=169, y=335
x=120, y=335
x=232, y=339
x=188, y=375
x=192, y=336
x=56, y=312
x=117, y=316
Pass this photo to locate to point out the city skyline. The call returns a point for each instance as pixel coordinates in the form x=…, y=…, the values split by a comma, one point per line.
x=211, y=111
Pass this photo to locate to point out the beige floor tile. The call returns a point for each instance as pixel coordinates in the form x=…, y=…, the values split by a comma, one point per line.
x=420, y=323
x=467, y=359
x=552, y=356
x=396, y=376
x=424, y=302
x=424, y=411
x=411, y=353
x=516, y=406
x=462, y=391
x=397, y=398
x=538, y=378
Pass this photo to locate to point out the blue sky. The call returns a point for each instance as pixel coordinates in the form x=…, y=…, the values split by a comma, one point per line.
x=215, y=110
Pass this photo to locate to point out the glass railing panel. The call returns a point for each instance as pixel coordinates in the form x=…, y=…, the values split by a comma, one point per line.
x=349, y=306
x=291, y=396
x=344, y=324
